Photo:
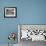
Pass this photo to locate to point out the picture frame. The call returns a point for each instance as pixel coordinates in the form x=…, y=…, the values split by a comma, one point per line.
x=10, y=12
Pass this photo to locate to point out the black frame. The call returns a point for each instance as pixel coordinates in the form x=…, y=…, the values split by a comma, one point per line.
x=10, y=16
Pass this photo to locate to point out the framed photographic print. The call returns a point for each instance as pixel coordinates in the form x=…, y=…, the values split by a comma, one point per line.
x=10, y=12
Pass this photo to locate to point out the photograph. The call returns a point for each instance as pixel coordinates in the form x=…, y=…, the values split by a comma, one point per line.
x=10, y=12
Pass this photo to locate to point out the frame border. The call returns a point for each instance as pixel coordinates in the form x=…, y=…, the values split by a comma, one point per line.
x=8, y=16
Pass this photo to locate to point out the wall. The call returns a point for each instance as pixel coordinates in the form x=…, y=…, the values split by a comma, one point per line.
x=28, y=12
